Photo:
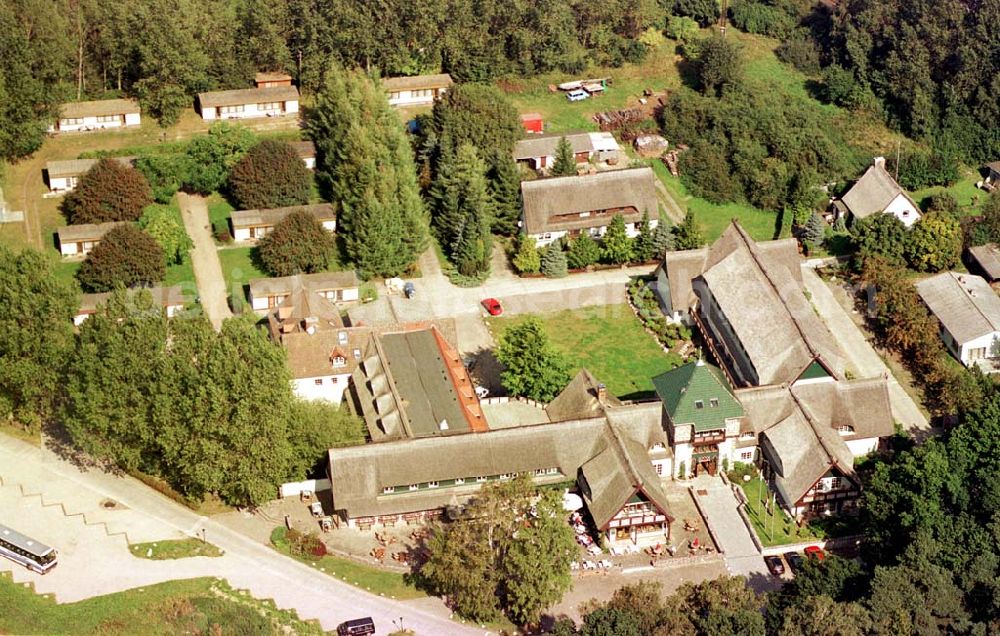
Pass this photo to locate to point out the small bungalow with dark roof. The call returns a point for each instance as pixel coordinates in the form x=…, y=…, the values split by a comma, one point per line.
x=268, y=293
x=97, y=115
x=250, y=225
x=168, y=299
x=969, y=313
x=876, y=192
x=539, y=152
x=245, y=103
x=567, y=206
x=62, y=176
x=985, y=260
x=269, y=79
x=416, y=90
x=78, y=240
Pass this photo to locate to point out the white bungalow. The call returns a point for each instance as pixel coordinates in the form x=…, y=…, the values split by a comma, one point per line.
x=250, y=225
x=97, y=115
x=247, y=103
x=62, y=176
x=969, y=312
x=78, y=240
x=416, y=90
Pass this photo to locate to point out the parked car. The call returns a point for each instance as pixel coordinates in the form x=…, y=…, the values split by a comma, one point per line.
x=794, y=560
x=356, y=627
x=493, y=306
x=815, y=552
x=577, y=95
x=409, y=290
x=775, y=565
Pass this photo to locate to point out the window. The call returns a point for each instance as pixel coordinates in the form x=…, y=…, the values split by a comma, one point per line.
x=71, y=182
x=269, y=106
x=459, y=481
x=318, y=381
x=539, y=472
x=357, y=354
x=835, y=483
x=342, y=337
x=977, y=354
x=423, y=92
x=547, y=236
x=714, y=403
x=746, y=456
x=551, y=471
x=506, y=475
x=659, y=468
x=333, y=380
x=480, y=479
x=394, y=95
x=339, y=361
x=388, y=490
x=226, y=110
x=432, y=484
x=747, y=435
x=845, y=429
x=414, y=486
x=71, y=121
x=107, y=119
x=699, y=404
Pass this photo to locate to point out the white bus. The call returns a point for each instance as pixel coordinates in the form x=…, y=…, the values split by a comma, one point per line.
x=26, y=551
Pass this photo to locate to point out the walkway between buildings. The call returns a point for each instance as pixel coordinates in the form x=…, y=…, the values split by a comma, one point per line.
x=205, y=259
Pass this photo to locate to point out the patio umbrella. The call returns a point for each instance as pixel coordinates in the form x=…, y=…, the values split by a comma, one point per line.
x=572, y=502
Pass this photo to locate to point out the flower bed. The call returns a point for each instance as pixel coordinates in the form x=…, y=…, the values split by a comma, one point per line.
x=647, y=309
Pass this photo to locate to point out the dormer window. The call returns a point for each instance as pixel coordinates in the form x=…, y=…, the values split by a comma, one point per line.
x=342, y=337
x=699, y=404
x=845, y=429
x=714, y=403
x=357, y=354
x=338, y=361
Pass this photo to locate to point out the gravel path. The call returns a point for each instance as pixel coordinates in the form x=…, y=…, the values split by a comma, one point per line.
x=205, y=259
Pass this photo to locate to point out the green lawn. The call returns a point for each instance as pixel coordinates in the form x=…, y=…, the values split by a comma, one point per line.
x=969, y=197
x=179, y=274
x=238, y=266
x=609, y=341
x=174, y=549
x=712, y=218
x=66, y=270
x=192, y=606
x=218, y=213
x=378, y=581
x=779, y=528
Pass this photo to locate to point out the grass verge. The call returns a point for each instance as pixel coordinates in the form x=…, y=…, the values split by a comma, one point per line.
x=192, y=606
x=174, y=549
x=608, y=341
x=777, y=528
x=390, y=584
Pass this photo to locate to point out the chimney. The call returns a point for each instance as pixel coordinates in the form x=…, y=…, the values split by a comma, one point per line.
x=602, y=393
x=879, y=161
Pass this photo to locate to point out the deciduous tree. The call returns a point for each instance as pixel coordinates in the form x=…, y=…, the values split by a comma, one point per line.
x=108, y=191
x=270, y=175
x=126, y=256
x=532, y=368
x=299, y=244
x=720, y=65
x=880, y=235
x=214, y=155
x=163, y=223
x=935, y=242
x=36, y=336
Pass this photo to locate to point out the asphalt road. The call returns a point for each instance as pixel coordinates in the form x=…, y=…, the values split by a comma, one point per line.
x=62, y=506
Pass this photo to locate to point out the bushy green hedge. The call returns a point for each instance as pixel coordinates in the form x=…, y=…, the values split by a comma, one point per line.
x=648, y=310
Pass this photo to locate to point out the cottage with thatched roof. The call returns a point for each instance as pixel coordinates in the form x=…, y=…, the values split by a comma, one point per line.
x=567, y=206
x=876, y=192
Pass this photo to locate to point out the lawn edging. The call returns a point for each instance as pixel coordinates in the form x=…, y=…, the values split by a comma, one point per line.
x=174, y=549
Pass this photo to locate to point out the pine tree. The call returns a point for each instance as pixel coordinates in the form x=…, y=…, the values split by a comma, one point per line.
x=663, y=239
x=463, y=214
x=815, y=228
x=505, y=190
x=642, y=247
x=686, y=235
x=583, y=251
x=365, y=165
x=564, y=164
x=616, y=248
x=527, y=259
x=554, y=261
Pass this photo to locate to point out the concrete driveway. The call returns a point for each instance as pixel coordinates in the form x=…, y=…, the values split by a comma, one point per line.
x=63, y=506
x=205, y=259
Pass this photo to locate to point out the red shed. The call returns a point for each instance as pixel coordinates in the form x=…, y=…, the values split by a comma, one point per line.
x=532, y=123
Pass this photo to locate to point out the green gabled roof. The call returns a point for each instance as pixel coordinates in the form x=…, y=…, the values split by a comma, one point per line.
x=681, y=388
x=813, y=371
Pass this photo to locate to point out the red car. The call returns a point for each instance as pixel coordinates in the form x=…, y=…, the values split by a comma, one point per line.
x=493, y=306
x=815, y=552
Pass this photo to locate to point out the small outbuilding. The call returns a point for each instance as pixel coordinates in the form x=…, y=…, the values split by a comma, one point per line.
x=78, y=240
x=97, y=115
x=268, y=79
x=538, y=152
x=62, y=176
x=170, y=299
x=985, y=260
x=306, y=151
x=533, y=123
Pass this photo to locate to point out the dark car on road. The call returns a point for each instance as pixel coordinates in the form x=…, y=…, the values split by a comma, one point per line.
x=775, y=565
x=795, y=561
x=356, y=627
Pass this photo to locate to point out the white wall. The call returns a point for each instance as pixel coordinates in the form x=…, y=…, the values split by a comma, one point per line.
x=62, y=184
x=91, y=123
x=241, y=234
x=331, y=390
x=903, y=210
x=310, y=162
x=863, y=446
x=407, y=98
x=132, y=119
x=987, y=342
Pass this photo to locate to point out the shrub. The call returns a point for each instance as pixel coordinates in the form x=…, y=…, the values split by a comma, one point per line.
x=800, y=51
x=309, y=545
x=922, y=169
x=839, y=86
x=125, y=256
x=554, y=261
x=164, y=225
x=213, y=155
x=298, y=244
x=270, y=175
x=109, y=191
x=756, y=17
x=583, y=251
x=527, y=260
x=648, y=311
x=166, y=174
